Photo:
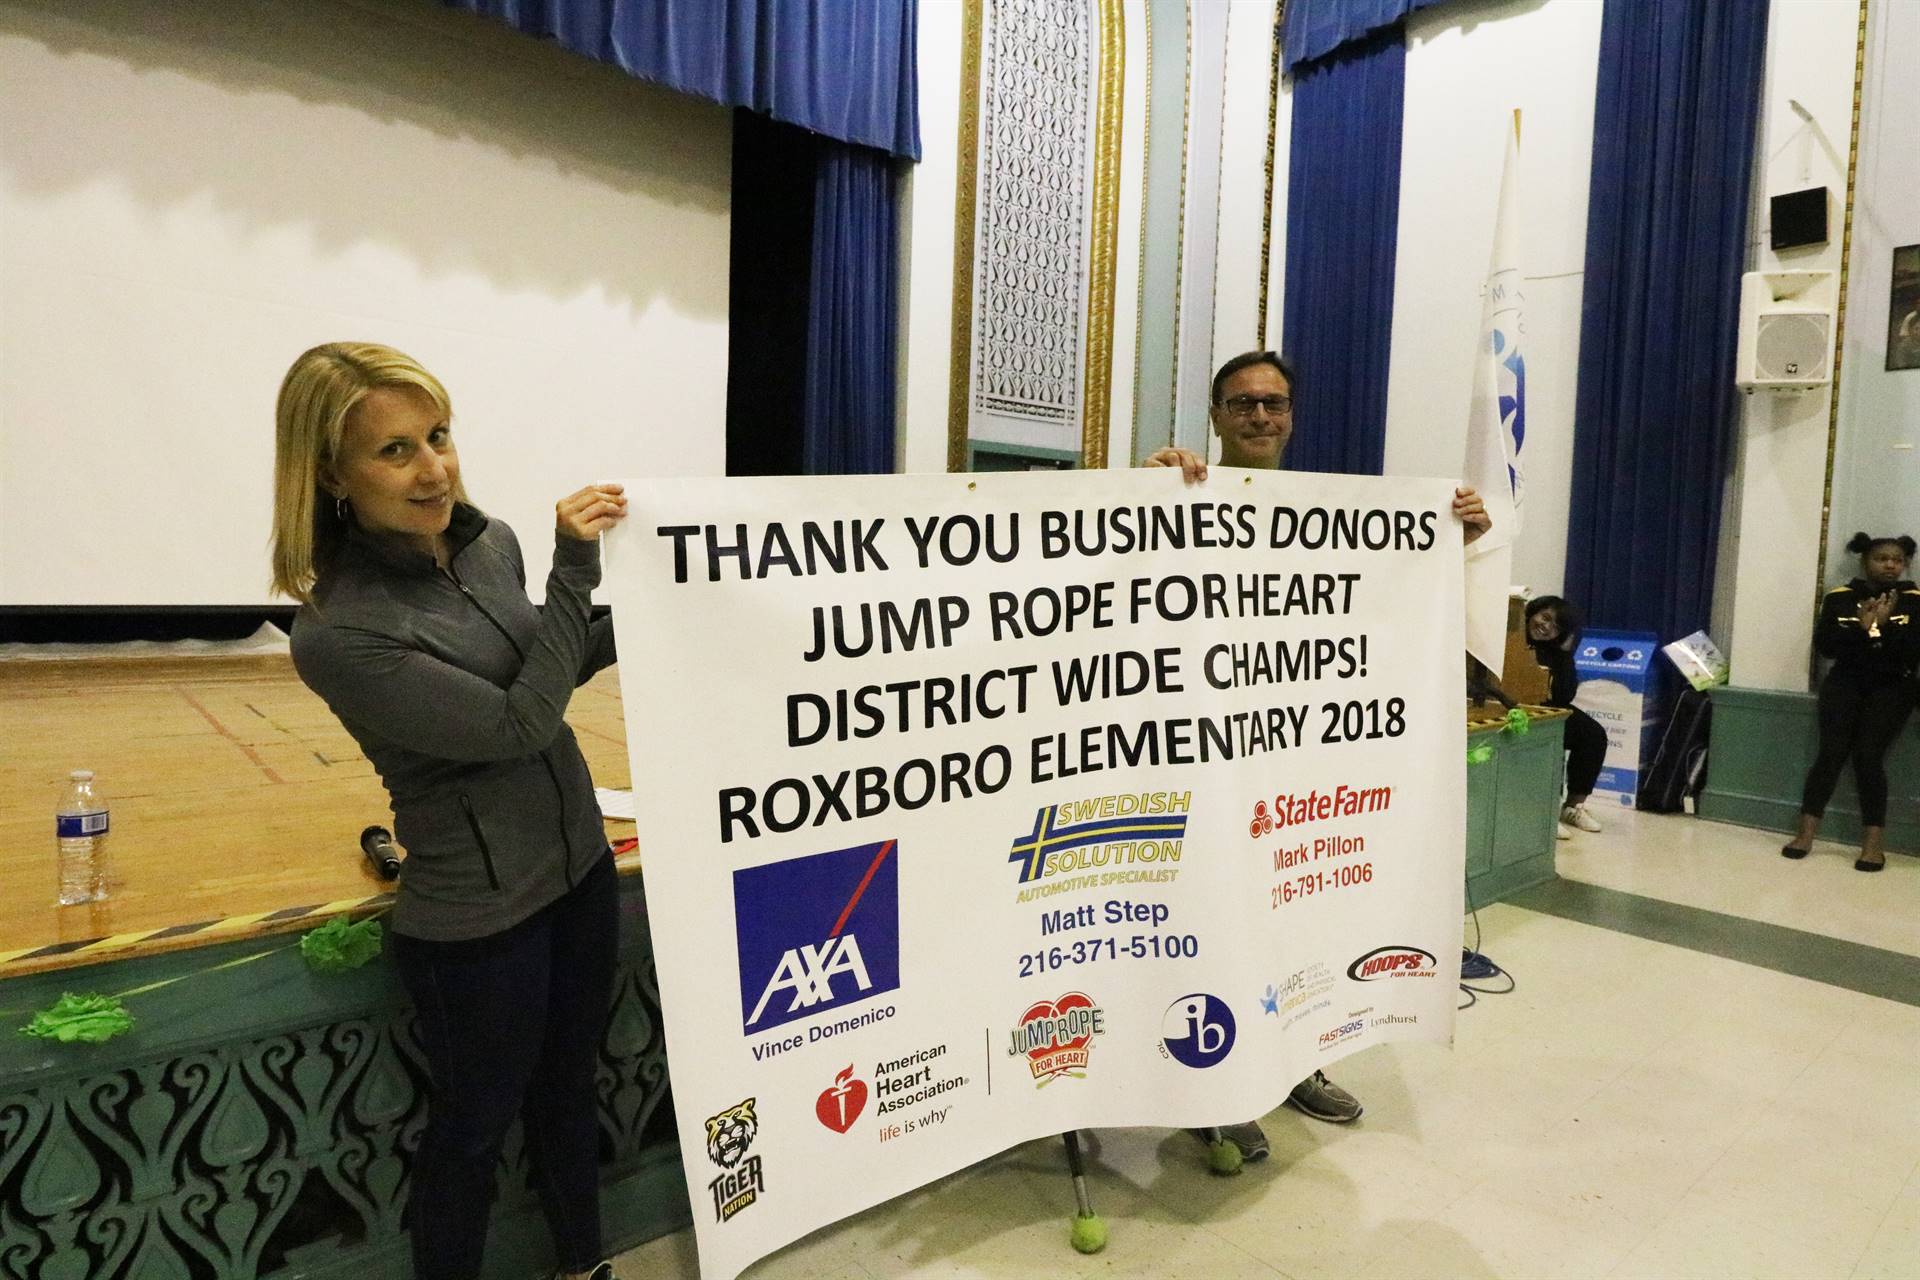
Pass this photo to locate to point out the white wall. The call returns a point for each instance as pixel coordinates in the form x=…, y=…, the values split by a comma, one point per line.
x=1876, y=478
x=1468, y=67
x=191, y=194
x=1774, y=530
x=926, y=249
x=1243, y=152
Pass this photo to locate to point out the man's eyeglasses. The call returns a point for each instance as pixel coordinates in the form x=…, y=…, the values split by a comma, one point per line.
x=1242, y=406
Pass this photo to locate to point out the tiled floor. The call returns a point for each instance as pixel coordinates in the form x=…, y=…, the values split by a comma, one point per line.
x=1633, y=1109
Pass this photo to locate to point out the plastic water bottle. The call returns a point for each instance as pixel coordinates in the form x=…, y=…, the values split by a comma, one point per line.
x=80, y=825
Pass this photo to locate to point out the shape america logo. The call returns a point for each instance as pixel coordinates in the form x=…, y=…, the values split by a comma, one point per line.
x=816, y=933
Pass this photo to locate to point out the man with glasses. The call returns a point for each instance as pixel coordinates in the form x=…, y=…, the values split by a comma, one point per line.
x=1252, y=413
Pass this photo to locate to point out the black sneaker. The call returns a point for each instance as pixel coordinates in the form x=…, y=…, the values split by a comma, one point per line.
x=1322, y=1099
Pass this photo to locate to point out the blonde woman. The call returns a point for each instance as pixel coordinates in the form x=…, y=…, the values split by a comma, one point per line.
x=418, y=633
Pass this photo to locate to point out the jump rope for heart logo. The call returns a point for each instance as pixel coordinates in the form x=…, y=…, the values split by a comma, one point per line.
x=1056, y=1036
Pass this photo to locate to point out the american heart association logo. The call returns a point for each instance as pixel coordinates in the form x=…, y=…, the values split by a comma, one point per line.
x=839, y=1106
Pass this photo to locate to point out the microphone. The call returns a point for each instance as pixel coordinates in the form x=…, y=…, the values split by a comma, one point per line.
x=377, y=844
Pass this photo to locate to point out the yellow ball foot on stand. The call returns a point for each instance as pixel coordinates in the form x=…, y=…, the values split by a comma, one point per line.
x=1223, y=1157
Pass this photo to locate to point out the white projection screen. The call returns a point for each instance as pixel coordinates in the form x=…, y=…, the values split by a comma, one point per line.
x=193, y=193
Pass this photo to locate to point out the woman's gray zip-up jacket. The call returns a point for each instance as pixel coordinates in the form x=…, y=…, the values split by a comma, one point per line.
x=455, y=686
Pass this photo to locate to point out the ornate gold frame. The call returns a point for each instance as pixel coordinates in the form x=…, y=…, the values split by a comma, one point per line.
x=1273, y=135
x=1097, y=379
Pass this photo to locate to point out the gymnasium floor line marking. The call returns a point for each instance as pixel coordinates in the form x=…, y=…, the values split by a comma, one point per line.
x=226, y=733
x=1855, y=966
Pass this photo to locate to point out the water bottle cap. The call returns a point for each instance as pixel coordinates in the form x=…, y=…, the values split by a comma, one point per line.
x=81, y=775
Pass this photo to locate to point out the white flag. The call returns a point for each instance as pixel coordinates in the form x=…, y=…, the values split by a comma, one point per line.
x=1497, y=426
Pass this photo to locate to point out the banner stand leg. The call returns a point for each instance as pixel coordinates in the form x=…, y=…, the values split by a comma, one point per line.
x=1089, y=1232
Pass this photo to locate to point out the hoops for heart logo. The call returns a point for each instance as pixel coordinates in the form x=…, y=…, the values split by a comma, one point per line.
x=841, y=1105
x=1056, y=1036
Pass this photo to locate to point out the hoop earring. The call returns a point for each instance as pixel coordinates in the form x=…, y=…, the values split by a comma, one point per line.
x=340, y=508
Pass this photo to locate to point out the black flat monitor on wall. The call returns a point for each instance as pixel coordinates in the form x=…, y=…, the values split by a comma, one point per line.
x=1799, y=218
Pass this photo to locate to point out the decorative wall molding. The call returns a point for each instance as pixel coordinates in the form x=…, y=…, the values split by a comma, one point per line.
x=1035, y=227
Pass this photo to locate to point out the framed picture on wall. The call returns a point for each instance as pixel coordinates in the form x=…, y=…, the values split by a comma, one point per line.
x=1903, y=319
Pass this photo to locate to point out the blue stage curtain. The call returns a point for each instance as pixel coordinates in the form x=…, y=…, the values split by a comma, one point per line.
x=1674, y=128
x=852, y=314
x=1343, y=219
x=1314, y=28
x=845, y=69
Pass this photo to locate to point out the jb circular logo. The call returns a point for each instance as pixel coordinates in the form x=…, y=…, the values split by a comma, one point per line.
x=1197, y=1030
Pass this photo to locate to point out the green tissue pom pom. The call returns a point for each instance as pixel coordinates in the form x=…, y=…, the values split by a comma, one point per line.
x=72, y=1019
x=340, y=945
x=1089, y=1234
x=1518, y=723
x=1480, y=754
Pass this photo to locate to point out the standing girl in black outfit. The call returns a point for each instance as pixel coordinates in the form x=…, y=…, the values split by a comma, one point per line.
x=1553, y=628
x=1868, y=628
x=418, y=633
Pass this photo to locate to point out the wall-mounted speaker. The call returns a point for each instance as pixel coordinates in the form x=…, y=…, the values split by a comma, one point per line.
x=1786, y=330
x=1798, y=218
x=1791, y=346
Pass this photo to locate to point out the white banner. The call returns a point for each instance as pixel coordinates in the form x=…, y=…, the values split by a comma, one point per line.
x=975, y=809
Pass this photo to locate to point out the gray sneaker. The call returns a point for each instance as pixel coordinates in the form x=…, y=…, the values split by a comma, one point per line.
x=1249, y=1137
x=1322, y=1099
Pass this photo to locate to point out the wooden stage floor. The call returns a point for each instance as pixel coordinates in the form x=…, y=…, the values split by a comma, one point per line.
x=234, y=793
x=235, y=796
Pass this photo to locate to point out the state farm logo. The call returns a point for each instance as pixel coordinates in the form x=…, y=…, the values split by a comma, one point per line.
x=1393, y=962
x=816, y=933
x=839, y=1106
x=1056, y=1036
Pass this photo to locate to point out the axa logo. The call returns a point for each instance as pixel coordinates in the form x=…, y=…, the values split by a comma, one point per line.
x=1393, y=962
x=816, y=933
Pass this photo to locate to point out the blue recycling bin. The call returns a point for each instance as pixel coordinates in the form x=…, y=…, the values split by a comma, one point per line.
x=1616, y=688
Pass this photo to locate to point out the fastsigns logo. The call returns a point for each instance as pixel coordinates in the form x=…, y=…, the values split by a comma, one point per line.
x=816, y=933
x=729, y=1135
x=1342, y=1032
x=1056, y=1036
x=1393, y=962
x=839, y=1106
